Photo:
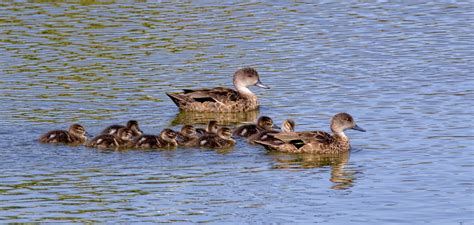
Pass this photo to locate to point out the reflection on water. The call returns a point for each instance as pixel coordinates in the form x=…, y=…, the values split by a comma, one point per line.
x=222, y=118
x=342, y=179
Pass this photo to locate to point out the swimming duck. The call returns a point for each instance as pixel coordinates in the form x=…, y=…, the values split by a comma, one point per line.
x=76, y=134
x=288, y=125
x=166, y=139
x=315, y=142
x=187, y=137
x=131, y=124
x=264, y=123
x=210, y=128
x=121, y=139
x=221, y=99
x=221, y=140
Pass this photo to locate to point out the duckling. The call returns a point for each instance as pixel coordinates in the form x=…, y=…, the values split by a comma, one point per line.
x=221, y=140
x=131, y=124
x=166, y=139
x=221, y=99
x=288, y=125
x=76, y=134
x=122, y=139
x=211, y=128
x=315, y=142
x=187, y=137
x=264, y=123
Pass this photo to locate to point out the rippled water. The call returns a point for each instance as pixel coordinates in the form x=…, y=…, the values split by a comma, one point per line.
x=403, y=70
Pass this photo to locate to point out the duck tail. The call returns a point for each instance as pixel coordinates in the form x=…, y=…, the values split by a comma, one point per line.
x=176, y=99
x=266, y=145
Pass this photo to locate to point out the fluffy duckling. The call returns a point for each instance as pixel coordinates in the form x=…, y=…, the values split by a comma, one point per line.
x=288, y=125
x=221, y=99
x=187, y=137
x=221, y=140
x=315, y=142
x=131, y=124
x=122, y=139
x=166, y=139
x=76, y=134
x=210, y=128
x=264, y=123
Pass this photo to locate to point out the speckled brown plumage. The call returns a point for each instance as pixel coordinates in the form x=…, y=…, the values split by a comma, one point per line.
x=221, y=99
x=314, y=142
x=166, y=139
x=74, y=135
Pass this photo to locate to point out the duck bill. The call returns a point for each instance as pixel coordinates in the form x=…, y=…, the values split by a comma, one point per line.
x=276, y=127
x=358, y=128
x=261, y=85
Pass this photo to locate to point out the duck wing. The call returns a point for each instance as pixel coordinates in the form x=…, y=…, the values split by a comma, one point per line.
x=298, y=138
x=218, y=94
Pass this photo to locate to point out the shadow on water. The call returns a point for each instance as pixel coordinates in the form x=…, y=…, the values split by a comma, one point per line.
x=222, y=118
x=340, y=177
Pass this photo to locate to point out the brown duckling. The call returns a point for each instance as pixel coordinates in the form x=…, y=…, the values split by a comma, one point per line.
x=315, y=142
x=187, y=137
x=131, y=124
x=76, y=134
x=210, y=128
x=221, y=140
x=121, y=139
x=288, y=125
x=264, y=123
x=166, y=139
x=221, y=99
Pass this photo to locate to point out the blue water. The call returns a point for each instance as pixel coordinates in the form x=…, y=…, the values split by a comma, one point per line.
x=403, y=70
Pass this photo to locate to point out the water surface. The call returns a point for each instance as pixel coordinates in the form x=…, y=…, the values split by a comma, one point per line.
x=403, y=70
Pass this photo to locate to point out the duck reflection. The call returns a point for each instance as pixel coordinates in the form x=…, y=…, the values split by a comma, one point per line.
x=341, y=177
x=222, y=118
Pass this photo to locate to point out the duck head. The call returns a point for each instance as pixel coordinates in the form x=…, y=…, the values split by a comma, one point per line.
x=212, y=126
x=133, y=125
x=343, y=121
x=125, y=134
x=246, y=77
x=168, y=135
x=225, y=133
x=188, y=130
x=266, y=123
x=78, y=131
x=288, y=125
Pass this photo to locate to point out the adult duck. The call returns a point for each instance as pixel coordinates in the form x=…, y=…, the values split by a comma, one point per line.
x=221, y=99
x=315, y=142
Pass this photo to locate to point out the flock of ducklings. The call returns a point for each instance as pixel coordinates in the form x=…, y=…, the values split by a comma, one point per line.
x=264, y=132
x=218, y=99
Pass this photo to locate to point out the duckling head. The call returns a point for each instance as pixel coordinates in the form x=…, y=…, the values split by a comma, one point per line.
x=246, y=77
x=133, y=125
x=188, y=130
x=288, y=125
x=78, y=131
x=266, y=123
x=125, y=134
x=212, y=126
x=168, y=135
x=343, y=121
x=225, y=133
